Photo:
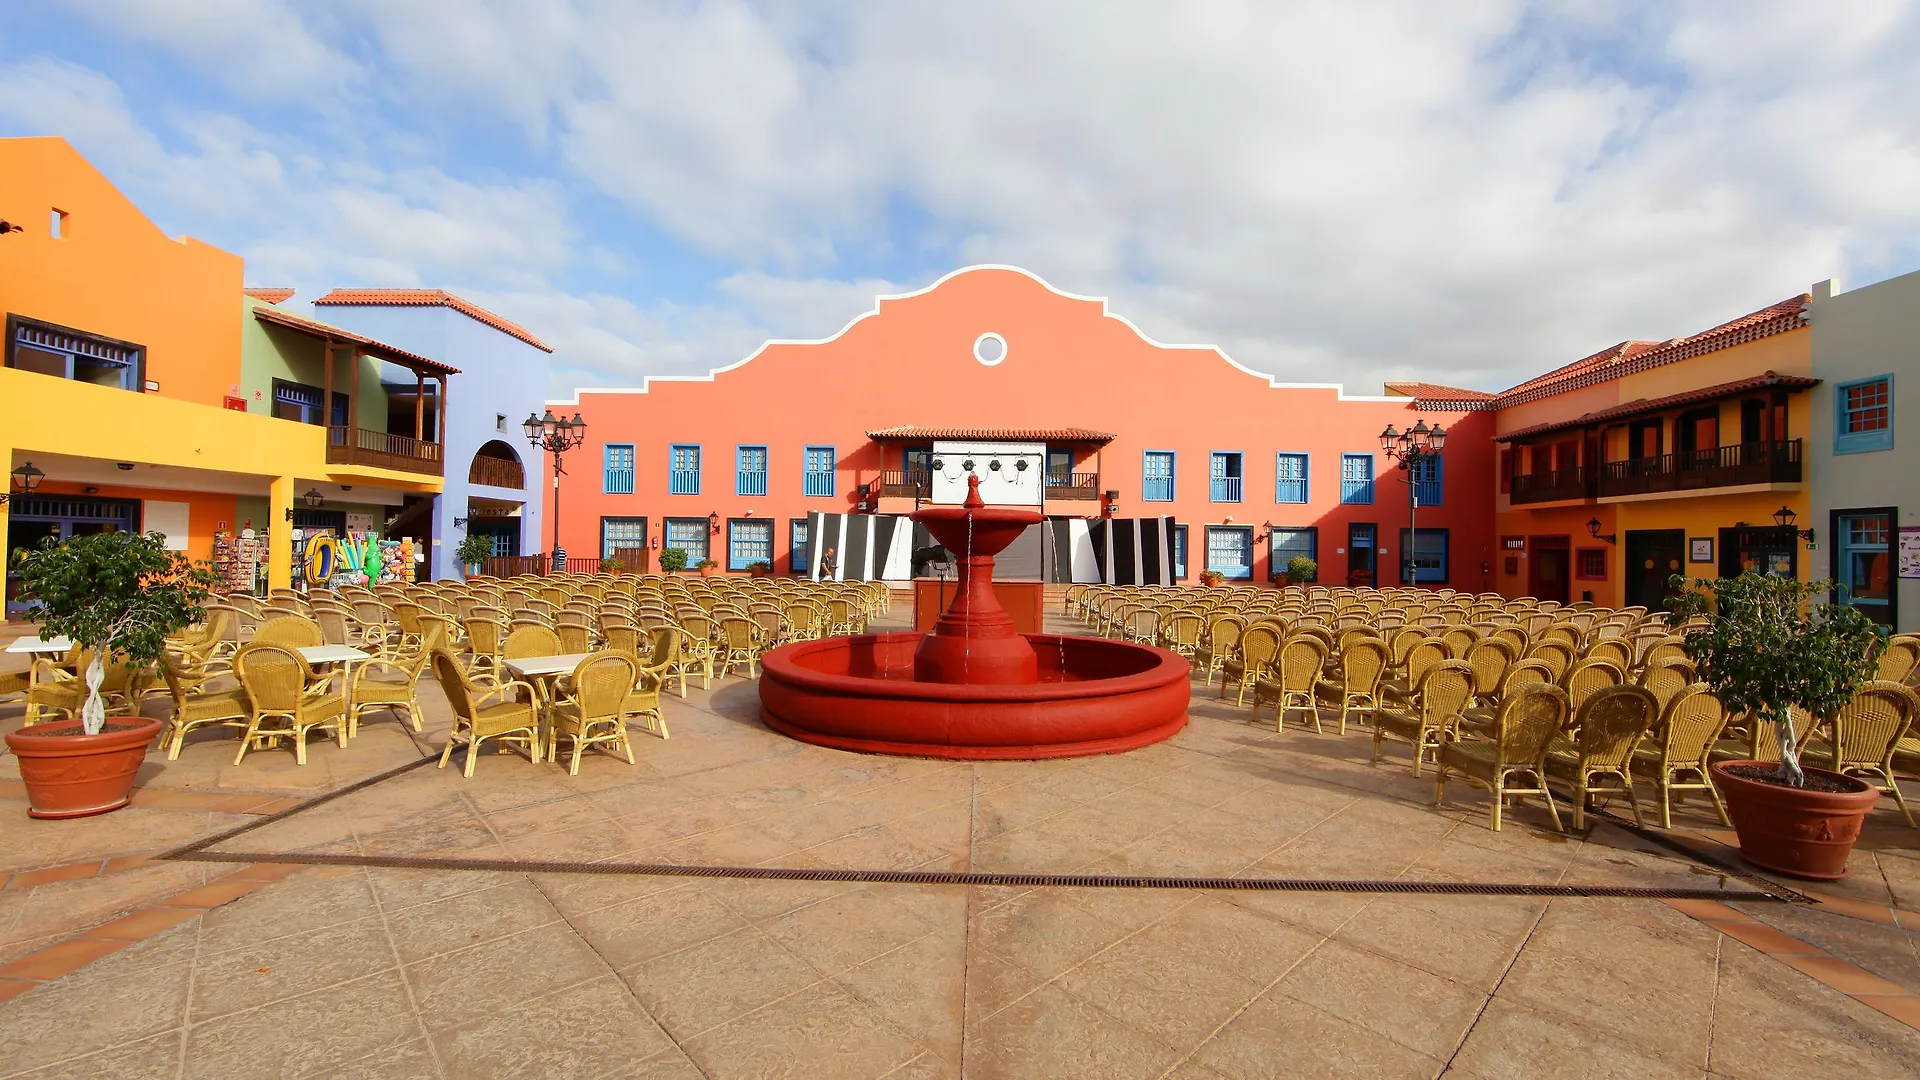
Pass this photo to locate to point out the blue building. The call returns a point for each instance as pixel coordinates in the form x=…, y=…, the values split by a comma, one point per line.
x=493, y=476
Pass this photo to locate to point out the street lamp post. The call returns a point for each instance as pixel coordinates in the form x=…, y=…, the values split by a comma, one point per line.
x=556, y=436
x=1412, y=450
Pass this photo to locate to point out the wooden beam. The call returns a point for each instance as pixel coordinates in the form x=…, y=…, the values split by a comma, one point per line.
x=440, y=425
x=326, y=392
x=419, y=406
x=353, y=401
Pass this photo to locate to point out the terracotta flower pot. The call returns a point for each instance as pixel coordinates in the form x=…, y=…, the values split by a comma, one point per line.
x=709, y=571
x=1794, y=831
x=69, y=774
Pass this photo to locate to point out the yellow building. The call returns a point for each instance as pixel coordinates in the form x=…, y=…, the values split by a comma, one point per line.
x=123, y=370
x=1655, y=458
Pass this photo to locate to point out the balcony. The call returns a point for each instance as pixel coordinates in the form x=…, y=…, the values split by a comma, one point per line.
x=379, y=450
x=910, y=484
x=1738, y=465
x=817, y=482
x=1073, y=485
x=1226, y=489
x=750, y=482
x=1553, y=485
x=496, y=472
x=683, y=481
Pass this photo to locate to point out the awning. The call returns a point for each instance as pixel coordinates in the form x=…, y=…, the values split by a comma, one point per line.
x=1648, y=406
x=405, y=359
x=916, y=433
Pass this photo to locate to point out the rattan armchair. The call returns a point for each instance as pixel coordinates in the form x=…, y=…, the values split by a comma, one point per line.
x=395, y=684
x=1443, y=691
x=739, y=645
x=1867, y=731
x=1363, y=662
x=1256, y=652
x=1399, y=692
x=58, y=693
x=1220, y=643
x=1291, y=682
x=1610, y=725
x=1681, y=746
x=1901, y=657
x=510, y=720
x=293, y=631
x=195, y=708
x=1513, y=752
x=589, y=707
x=281, y=686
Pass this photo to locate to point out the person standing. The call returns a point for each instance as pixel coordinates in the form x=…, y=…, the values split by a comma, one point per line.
x=827, y=565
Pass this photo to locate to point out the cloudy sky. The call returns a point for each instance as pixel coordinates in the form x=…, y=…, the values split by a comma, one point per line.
x=1345, y=191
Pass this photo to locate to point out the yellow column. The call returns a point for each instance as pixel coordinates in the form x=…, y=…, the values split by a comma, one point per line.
x=280, y=534
x=6, y=548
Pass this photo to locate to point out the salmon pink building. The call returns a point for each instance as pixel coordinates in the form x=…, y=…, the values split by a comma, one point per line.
x=1056, y=403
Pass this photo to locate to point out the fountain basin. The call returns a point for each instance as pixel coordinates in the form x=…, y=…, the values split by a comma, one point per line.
x=1092, y=696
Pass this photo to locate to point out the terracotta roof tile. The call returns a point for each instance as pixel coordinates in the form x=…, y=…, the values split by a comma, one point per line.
x=1645, y=406
x=1633, y=357
x=1064, y=434
x=270, y=295
x=429, y=298
x=1428, y=395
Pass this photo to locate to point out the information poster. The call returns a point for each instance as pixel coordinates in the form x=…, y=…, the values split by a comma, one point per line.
x=1910, y=551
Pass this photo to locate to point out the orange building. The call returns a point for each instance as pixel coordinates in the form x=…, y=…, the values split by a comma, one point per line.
x=993, y=362
x=1652, y=458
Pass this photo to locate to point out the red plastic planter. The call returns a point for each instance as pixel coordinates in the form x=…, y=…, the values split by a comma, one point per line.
x=1793, y=831
x=69, y=774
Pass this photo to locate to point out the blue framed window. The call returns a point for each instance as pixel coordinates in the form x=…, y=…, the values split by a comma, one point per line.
x=1180, y=553
x=1230, y=551
x=1225, y=476
x=688, y=535
x=799, y=552
x=1428, y=553
x=621, y=536
x=1290, y=478
x=1864, y=563
x=683, y=470
x=1863, y=415
x=1286, y=544
x=750, y=470
x=1429, y=481
x=749, y=540
x=619, y=475
x=69, y=354
x=818, y=478
x=1156, y=476
x=1356, y=479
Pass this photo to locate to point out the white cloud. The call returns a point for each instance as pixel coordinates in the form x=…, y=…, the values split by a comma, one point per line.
x=258, y=47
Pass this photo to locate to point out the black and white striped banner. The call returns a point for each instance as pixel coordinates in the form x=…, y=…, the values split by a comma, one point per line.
x=1133, y=551
x=866, y=547
x=885, y=547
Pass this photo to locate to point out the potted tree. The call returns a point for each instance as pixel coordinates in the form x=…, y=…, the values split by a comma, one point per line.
x=673, y=560
x=473, y=550
x=1767, y=644
x=1210, y=578
x=707, y=567
x=114, y=594
x=1301, y=570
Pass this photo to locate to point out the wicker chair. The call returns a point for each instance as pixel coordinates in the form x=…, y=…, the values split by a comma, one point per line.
x=1614, y=650
x=1902, y=655
x=1610, y=723
x=1181, y=633
x=700, y=644
x=1489, y=659
x=1442, y=693
x=281, y=685
x=589, y=707
x=1867, y=731
x=1220, y=643
x=510, y=720
x=1357, y=684
x=574, y=638
x=57, y=693
x=1528, y=719
x=1588, y=678
x=293, y=631
x=1257, y=649
x=194, y=708
x=1298, y=669
x=485, y=637
x=1666, y=678
x=1556, y=654
x=376, y=688
x=528, y=641
x=1399, y=692
x=739, y=645
x=1689, y=725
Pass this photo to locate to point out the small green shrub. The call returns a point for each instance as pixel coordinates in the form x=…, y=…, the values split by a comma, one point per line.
x=673, y=560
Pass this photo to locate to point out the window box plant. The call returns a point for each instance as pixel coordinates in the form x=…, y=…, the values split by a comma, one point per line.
x=762, y=568
x=1769, y=644
x=1301, y=570
x=707, y=567
x=1210, y=578
x=472, y=551
x=113, y=594
x=673, y=560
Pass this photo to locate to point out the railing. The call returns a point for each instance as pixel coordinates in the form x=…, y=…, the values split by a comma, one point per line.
x=683, y=481
x=817, y=483
x=750, y=483
x=617, y=482
x=911, y=484
x=1290, y=489
x=362, y=446
x=1553, y=485
x=634, y=561
x=496, y=472
x=1156, y=489
x=1073, y=485
x=1226, y=489
x=1777, y=462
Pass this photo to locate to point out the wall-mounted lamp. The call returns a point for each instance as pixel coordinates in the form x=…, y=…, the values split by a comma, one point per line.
x=89, y=490
x=1266, y=530
x=1784, y=518
x=461, y=523
x=9, y=227
x=713, y=522
x=1113, y=504
x=1593, y=530
x=312, y=498
x=123, y=466
x=25, y=479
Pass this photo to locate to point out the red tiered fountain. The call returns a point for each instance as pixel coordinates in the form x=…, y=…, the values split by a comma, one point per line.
x=973, y=688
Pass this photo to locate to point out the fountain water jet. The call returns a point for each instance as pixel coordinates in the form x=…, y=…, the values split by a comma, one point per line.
x=973, y=688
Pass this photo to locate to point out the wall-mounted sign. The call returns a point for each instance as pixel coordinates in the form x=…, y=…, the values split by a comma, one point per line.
x=1513, y=543
x=1910, y=551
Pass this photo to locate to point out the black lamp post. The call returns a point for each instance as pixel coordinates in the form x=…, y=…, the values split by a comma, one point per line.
x=556, y=436
x=1784, y=517
x=1412, y=450
x=25, y=479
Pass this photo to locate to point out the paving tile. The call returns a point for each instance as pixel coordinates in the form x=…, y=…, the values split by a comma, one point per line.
x=847, y=929
x=920, y=989
x=1766, y=939
x=57, y=960
x=1512, y=1041
x=407, y=1061
x=1770, y=1021
x=214, y=894
x=155, y=1058
x=308, y=901
x=695, y=989
x=1418, y=1010
x=822, y=1031
x=144, y=923
x=469, y=918
x=288, y=966
x=313, y=1034
x=93, y=1009
x=27, y=879
x=589, y=1029
x=1280, y=1037
x=1842, y=976
x=487, y=978
x=639, y=930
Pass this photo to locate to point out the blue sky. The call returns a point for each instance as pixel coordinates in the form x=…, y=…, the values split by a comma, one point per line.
x=1331, y=191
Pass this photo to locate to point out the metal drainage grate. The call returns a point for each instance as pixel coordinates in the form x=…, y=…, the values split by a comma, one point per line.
x=965, y=877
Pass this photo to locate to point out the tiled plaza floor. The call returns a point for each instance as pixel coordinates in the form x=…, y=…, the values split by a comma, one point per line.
x=384, y=972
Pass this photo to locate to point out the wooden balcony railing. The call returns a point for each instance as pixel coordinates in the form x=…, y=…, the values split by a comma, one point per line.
x=1553, y=485
x=496, y=472
x=1073, y=485
x=1692, y=470
x=634, y=561
x=912, y=484
x=377, y=449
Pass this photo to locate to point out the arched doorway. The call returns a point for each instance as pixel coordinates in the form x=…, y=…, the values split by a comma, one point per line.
x=496, y=464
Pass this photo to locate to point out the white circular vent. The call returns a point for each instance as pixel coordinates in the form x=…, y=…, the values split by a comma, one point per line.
x=989, y=349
